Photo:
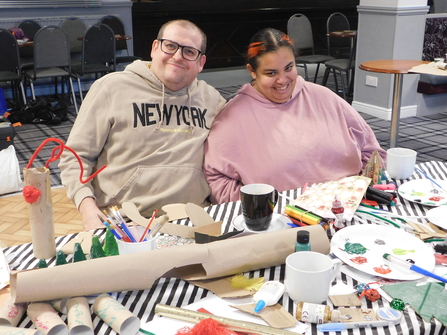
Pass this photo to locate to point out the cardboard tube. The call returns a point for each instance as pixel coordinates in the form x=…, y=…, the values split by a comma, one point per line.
x=78, y=317
x=116, y=315
x=41, y=213
x=46, y=319
x=10, y=313
x=60, y=305
x=18, y=331
x=139, y=272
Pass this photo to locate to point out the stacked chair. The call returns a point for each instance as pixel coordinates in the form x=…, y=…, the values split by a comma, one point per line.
x=98, y=53
x=51, y=59
x=10, y=67
x=299, y=30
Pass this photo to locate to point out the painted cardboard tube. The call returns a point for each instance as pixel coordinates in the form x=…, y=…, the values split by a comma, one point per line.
x=189, y=262
x=78, y=317
x=46, y=319
x=11, y=313
x=18, y=331
x=118, y=317
x=41, y=213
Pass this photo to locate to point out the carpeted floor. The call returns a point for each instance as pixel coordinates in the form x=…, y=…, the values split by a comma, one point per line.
x=426, y=135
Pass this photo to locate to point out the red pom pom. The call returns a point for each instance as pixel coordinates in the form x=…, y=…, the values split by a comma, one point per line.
x=31, y=194
x=206, y=327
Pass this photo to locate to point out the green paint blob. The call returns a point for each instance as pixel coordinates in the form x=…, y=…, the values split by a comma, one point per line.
x=417, y=194
x=60, y=258
x=402, y=252
x=78, y=253
x=96, y=248
x=354, y=248
x=110, y=244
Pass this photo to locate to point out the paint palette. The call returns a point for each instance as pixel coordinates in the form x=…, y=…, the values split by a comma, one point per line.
x=363, y=246
x=424, y=192
x=438, y=216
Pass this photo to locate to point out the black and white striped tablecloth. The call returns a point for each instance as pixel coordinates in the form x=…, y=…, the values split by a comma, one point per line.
x=177, y=292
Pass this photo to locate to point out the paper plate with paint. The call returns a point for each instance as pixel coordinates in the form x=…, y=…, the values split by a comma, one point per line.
x=438, y=216
x=279, y=222
x=363, y=247
x=424, y=192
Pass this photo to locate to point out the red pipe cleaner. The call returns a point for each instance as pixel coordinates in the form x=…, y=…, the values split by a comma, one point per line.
x=57, y=152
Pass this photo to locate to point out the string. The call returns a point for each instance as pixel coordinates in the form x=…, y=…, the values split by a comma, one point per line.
x=57, y=152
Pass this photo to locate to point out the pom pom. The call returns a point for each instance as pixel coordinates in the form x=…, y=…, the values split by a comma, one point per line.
x=249, y=284
x=206, y=327
x=31, y=194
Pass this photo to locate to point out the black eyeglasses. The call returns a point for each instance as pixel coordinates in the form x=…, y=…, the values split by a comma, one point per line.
x=170, y=47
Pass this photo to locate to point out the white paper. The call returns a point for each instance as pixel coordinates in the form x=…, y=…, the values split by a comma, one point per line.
x=217, y=306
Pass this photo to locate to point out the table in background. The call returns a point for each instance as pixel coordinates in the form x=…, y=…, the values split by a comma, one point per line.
x=398, y=68
x=178, y=292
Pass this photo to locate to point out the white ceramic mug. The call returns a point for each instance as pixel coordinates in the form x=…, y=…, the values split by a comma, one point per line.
x=400, y=162
x=309, y=276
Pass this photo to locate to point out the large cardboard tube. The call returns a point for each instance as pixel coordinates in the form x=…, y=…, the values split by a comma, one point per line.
x=139, y=271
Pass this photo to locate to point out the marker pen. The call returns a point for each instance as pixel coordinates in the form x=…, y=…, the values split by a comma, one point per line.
x=387, y=316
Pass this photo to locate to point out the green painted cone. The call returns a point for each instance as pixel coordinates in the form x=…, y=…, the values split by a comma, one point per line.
x=60, y=258
x=42, y=264
x=78, y=253
x=96, y=249
x=110, y=244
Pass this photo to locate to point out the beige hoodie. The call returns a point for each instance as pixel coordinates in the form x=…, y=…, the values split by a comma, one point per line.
x=150, y=138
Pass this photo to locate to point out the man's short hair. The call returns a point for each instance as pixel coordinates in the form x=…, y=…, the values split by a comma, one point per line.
x=188, y=25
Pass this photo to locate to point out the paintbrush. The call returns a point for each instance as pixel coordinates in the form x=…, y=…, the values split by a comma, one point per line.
x=148, y=225
x=413, y=267
x=159, y=224
x=429, y=178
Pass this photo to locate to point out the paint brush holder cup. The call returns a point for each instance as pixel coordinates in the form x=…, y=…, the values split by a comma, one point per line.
x=133, y=247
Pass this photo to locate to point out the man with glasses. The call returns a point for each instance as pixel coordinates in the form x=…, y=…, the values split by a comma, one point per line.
x=148, y=124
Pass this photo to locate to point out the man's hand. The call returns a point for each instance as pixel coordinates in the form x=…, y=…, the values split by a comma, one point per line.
x=89, y=212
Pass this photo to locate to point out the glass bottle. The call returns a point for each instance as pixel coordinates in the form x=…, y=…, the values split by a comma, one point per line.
x=338, y=210
x=302, y=241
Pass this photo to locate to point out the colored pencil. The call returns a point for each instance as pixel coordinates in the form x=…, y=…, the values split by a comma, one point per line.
x=148, y=225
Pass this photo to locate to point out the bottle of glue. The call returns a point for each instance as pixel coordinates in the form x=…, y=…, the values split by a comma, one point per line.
x=338, y=210
x=268, y=294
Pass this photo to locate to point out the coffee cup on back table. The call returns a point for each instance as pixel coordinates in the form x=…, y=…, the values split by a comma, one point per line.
x=400, y=162
x=258, y=202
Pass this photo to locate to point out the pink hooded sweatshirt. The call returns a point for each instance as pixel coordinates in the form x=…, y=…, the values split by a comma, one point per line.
x=314, y=137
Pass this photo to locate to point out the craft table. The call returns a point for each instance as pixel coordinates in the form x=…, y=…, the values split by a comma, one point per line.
x=177, y=292
x=398, y=68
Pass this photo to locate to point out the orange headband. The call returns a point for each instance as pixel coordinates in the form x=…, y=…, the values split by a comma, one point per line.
x=255, y=49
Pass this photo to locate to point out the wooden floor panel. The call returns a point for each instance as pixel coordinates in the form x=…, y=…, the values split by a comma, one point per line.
x=14, y=218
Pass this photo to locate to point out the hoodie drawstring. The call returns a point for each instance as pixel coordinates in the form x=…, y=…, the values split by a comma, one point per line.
x=162, y=121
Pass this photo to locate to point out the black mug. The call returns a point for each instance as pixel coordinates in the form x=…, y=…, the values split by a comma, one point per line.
x=258, y=202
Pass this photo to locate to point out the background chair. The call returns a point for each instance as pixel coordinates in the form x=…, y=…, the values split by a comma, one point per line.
x=98, y=53
x=51, y=59
x=75, y=29
x=343, y=67
x=10, y=70
x=30, y=28
x=117, y=26
x=299, y=30
x=338, y=47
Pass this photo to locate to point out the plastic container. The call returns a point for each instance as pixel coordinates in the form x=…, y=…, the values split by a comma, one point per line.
x=315, y=313
x=268, y=294
x=302, y=241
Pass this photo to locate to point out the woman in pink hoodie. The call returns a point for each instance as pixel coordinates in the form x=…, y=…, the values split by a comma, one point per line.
x=282, y=130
